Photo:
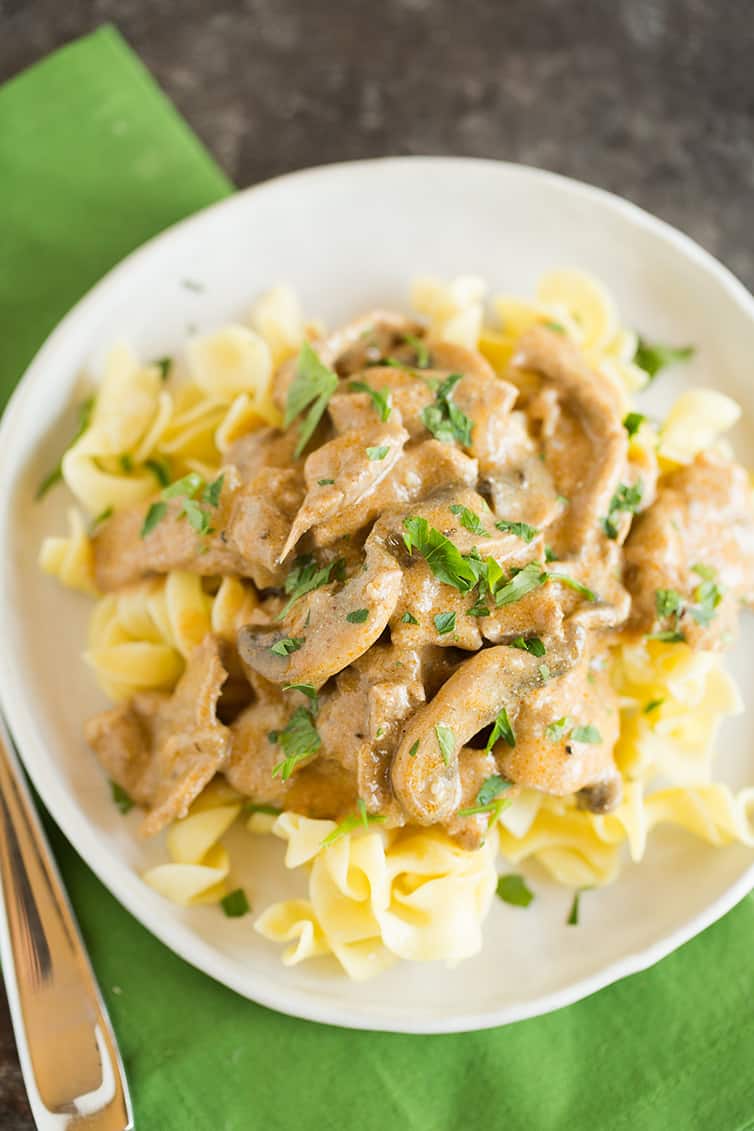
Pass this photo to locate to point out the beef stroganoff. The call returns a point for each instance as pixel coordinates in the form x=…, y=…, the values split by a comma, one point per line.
x=422, y=597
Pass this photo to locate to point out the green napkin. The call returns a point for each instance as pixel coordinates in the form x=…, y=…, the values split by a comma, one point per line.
x=93, y=160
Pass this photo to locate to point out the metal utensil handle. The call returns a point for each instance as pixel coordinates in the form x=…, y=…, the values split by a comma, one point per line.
x=68, y=1053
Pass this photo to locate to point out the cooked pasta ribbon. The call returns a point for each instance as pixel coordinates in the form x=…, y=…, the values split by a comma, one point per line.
x=377, y=896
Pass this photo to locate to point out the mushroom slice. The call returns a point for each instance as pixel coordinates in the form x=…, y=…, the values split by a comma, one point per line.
x=342, y=472
x=418, y=473
x=425, y=773
x=164, y=749
x=595, y=406
x=332, y=627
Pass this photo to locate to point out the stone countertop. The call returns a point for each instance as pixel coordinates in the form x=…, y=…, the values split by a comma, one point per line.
x=653, y=99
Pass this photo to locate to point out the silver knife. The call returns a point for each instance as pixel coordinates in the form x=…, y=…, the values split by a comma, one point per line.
x=69, y=1056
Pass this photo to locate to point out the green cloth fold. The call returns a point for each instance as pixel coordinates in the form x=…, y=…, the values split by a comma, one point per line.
x=93, y=161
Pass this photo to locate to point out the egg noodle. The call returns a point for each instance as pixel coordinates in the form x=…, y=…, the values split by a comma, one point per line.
x=375, y=894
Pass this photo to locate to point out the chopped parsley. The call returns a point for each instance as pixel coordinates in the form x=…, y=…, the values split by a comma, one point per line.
x=381, y=399
x=187, y=487
x=193, y=509
x=421, y=348
x=160, y=470
x=311, y=389
x=164, y=364
x=587, y=733
x=501, y=729
x=304, y=577
x=443, y=418
x=360, y=819
x=378, y=453
x=446, y=740
x=572, y=583
x=445, y=623
x=668, y=636
x=413, y=750
x=707, y=596
x=564, y=727
x=520, y=529
x=513, y=889
x=126, y=463
x=633, y=421
x=530, y=644
x=490, y=788
x=544, y=672
x=196, y=517
x=668, y=602
x=325, y=482
x=653, y=705
x=626, y=500
x=287, y=645
x=573, y=914
x=652, y=357
x=556, y=327
x=49, y=481
x=98, y=520
x=444, y=559
x=299, y=740
x=211, y=493
x=357, y=616
x=155, y=514
x=487, y=800
x=85, y=410
x=478, y=609
x=235, y=904
x=257, y=807
x=122, y=801
x=707, y=573
x=550, y=555
x=307, y=689
x=469, y=519
x=557, y=730
x=522, y=582
x=408, y=618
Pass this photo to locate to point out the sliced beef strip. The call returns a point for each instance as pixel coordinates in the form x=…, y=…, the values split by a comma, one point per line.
x=582, y=695
x=703, y=516
x=122, y=556
x=164, y=749
x=588, y=449
x=260, y=522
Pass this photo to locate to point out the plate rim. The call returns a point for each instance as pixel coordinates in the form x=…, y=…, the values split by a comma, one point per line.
x=119, y=879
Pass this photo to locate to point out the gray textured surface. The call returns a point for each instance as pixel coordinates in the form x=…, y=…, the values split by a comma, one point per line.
x=653, y=99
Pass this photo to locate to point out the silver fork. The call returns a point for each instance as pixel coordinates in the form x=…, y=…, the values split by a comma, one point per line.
x=69, y=1056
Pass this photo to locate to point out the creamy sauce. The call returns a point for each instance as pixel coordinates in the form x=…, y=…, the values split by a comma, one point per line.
x=412, y=659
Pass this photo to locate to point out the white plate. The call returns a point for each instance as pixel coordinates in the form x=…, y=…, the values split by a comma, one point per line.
x=347, y=237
